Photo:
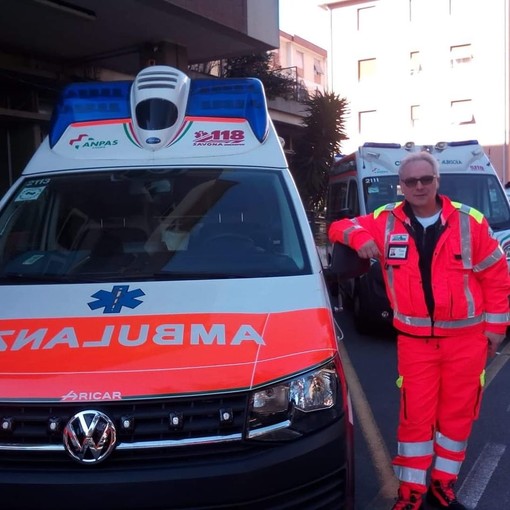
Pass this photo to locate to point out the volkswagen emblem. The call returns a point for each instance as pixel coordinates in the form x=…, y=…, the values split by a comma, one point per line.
x=89, y=437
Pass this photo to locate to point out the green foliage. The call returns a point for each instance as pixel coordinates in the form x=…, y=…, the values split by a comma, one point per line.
x=323, y=132
x=262, y=66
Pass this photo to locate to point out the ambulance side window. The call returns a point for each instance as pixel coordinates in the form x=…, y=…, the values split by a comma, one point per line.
x=353, y=198
x=480, y=191
x=337, y=199
x=498, y=205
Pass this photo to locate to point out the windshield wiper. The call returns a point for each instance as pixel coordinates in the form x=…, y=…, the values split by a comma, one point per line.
x=44, y=278
x=169, y=275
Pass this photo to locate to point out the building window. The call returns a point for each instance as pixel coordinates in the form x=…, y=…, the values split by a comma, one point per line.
x=300, y=63
x=318, y=71
x=366, y=18
x=462, y=112
x=461, y=8
x=461, y=55
x=419, y=10
x=415, y=62
x=415, y=114
x=366, y=69
x=368, y=124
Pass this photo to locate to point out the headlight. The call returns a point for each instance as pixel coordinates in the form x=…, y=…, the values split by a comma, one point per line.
x=296, y=407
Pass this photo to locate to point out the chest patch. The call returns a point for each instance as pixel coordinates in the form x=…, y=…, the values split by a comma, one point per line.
x=399, y=238
x=397, y=252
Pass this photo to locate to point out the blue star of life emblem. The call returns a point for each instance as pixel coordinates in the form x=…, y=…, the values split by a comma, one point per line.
x=113, y=301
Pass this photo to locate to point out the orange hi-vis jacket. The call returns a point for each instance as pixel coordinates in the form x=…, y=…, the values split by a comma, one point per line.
x=470, y=280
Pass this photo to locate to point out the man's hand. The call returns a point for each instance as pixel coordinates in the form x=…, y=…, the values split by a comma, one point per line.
x=495, y=340
x=369, y=250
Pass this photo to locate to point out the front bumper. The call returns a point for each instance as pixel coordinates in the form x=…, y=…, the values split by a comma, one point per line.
x=308, y=473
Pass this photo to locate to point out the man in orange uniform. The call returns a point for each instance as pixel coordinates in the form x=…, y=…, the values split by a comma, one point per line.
x=448, y=284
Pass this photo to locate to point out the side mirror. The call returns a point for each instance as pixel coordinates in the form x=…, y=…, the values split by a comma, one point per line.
x=339, y=214
x=346, y=263
x=344, y=213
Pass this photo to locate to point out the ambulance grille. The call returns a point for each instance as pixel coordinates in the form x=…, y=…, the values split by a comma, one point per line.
x=25, y=435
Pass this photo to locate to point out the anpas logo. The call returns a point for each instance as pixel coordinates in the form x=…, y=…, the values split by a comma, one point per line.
x=113, y=301
x=73, y=396
x=84, y=141
x=217, y=137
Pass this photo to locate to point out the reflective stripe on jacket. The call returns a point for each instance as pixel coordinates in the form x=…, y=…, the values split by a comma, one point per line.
x=470, y=281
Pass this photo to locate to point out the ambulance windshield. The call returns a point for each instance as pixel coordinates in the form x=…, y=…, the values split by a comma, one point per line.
x=481, y=191
x=150, y=224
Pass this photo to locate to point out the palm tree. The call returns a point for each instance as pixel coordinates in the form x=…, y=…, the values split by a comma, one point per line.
x=319, y=142
x=262, y=66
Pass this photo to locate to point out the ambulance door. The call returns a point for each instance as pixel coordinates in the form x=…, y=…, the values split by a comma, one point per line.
x=342, y=202
x=346, y=287
x=337, y=199
x=353, y=198
x=343, y=198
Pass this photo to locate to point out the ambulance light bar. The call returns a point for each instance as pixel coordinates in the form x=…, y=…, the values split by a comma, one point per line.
x=411, y=145
x=105, y=101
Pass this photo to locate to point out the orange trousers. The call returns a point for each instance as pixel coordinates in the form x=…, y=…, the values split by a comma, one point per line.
x=441, y=382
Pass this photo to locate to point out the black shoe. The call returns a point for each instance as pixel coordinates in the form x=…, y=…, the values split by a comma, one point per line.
x=408, y=499
x=442, y=495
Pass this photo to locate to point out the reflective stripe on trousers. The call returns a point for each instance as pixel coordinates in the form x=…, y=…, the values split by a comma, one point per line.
x=451, y=467
x=449, y=455
x=418, y=449
x=411, y=475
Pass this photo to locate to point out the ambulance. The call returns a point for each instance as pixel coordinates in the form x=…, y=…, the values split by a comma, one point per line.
x=361, y=182
x=166, y=334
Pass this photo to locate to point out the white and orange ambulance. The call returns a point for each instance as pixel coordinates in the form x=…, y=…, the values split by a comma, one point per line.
x=166, y=336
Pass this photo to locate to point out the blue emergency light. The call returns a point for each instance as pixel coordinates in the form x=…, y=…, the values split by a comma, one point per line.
x=462, y=143
x=382, y=145
x=216, y=98
x=84, y=102
x=232, y=98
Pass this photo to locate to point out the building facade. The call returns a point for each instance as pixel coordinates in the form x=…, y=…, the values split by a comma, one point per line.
x=307, y=60
x=423, y=71
x=306, y=64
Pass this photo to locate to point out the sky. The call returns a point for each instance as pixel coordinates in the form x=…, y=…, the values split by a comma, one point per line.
x=305, y=19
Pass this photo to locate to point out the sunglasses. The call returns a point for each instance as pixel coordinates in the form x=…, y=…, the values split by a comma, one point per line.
x=413, y=181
